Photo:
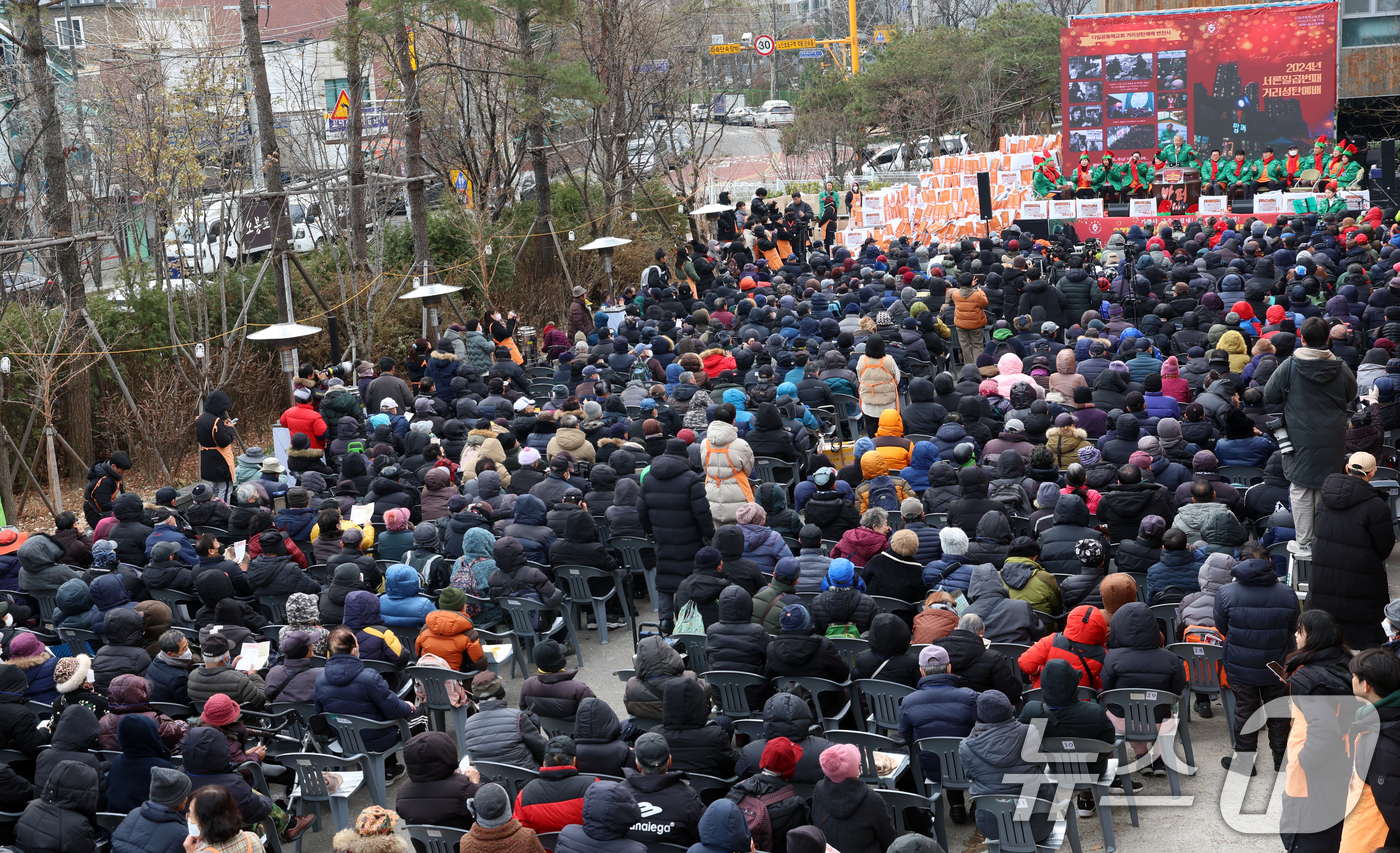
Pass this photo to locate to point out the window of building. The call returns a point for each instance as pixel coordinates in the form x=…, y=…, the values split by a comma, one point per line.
x=333, y=88
x=1370, y=22
x=70, y=32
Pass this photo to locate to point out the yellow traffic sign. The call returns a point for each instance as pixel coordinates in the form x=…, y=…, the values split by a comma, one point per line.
x=721, y=49
x=881, y=37
x=796, y=44
x=342, y=106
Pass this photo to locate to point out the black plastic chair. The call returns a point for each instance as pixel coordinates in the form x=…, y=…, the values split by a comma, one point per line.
x=1140, y=726
x=820, y=687
x=882, y=700
x=1204, y=672
x=512, y=778
x=183, y=605
x=520, y=612
x=436, y=839
x=869, y=744
x=631, y=547
x=274, y=607
x=710, y=788
x=1014, y=829
x=733, y=687
x=693, y=647
x=953, y=777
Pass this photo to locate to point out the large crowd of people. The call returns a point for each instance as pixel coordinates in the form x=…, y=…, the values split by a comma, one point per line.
x=975, y=471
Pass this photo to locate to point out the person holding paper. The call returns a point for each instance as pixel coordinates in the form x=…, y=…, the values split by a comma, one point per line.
x=1047, y=180
x=1136, y=177
x=218, y=675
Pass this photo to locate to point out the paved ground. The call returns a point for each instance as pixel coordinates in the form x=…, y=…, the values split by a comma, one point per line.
x=1197, y=822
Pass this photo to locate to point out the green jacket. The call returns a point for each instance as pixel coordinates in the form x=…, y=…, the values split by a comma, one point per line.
x=1125, y=174
x=1247, y=173
x=768, y=604
x=826, y=197
x=1186, y=157
x=1111, y=175
x=1336, y=205
x=1349, y=174
x=1026, y=581
x=1273, y=171
x=1043, y=186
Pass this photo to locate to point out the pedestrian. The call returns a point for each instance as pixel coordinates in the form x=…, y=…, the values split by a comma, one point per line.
x=1355, y=532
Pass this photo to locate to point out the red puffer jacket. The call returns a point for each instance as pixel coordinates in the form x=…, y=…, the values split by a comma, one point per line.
x=303, y=418
x=1081, y=643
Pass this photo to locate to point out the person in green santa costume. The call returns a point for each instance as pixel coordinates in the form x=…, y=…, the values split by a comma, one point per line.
x=1135, y=179
x=1047, y=180
x=1106, y=177
x=1345, y=169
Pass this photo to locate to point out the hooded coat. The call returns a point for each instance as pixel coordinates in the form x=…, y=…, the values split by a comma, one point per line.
x=787, y=715
x=40, y=569
x=598, y=741
x=1137, y=656
x=609, y=812
x=1007, y=620
x=128, y=696
x=1258, y=616
x=1070, y=526
x=674, y=500
x=992, y=540
x=206, y=762
x=733, y=642
x=401, y=604
x=888, y=657
x=861, y=822
x=74, y=739
x=124, y=651
x=1081, y=643
x=1355, y=536
x=1317, y=388
x=923, y=415
x=657, y=665
x=61, y=820
x=697, y=744
x=728, y=461
x=435, y=792
x=1026, y=581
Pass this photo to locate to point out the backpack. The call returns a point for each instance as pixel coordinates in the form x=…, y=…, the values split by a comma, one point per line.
x=755, y=811
x=1009, y=493
x=883, y=494
x=844, y=631
x=465, y=579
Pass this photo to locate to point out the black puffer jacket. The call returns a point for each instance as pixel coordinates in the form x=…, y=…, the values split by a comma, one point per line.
x=275, y=574
x=888, y=657
x=923, y=415
x=979, y=667
x=1354, y=538
x=1071, y=525
x=786, y=715
x=734, y=642
x=212, y=585
x=862, y=821
x=1123, y=507
x=435, y=792
x=609, y=811
x=673, y=507
x=124, y=652
x=74, y=738
x=60, y=821
x=696, y=744
x=1258, y=616
x=807, y=654
x=1079, y=290
x=839, y=605
x=1136, y=657
x=598, y=739
x=991, y=541
x=131, y=529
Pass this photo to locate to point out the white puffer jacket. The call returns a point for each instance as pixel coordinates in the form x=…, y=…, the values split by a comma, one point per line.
x=724, y=454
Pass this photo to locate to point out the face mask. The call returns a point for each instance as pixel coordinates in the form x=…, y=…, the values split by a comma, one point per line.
x=187, y=654
x=1388, y=628
x=192, y=828
x=9, y=620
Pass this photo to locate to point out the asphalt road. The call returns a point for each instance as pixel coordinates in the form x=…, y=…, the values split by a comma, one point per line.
x=1208, y=814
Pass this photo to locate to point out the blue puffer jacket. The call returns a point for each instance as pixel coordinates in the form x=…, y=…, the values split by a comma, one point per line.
x=1258, y=616
x=939, y=708
x=609, y=810
x=930, y=548
x=949, y=574
x=150, y=829
x=1176, y=568
x=108, y=593
x=764, y=546
x=376, y=641
x=923, y=456
x=722, y=829
x=296, y=522
x=345, y=686
x=1253, y=451
x=401, y=604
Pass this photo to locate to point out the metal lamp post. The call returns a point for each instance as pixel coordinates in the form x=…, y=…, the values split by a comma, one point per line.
x=431, y=295
x=711, y=213
x=605, y=246
x=285, y=336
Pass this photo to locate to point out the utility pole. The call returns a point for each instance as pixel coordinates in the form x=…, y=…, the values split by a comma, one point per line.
x=267, y=142
x=355, y=161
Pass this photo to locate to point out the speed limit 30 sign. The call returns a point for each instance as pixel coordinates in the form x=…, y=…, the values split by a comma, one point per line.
x=764, y=45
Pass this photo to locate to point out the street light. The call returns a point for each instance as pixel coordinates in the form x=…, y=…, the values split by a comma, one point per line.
x=604, y=246
x=431, y=295
x=285, y=336
x=711, y=213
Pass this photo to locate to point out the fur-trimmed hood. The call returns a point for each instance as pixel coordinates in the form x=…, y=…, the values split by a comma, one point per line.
x=80, y=675
x=350, y=841
x=31, y=662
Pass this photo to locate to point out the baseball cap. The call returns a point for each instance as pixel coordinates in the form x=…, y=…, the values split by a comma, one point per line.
x=824, y=477
x=652, y=750
x=561, y=745
x=1361, y=463
x=933, y=657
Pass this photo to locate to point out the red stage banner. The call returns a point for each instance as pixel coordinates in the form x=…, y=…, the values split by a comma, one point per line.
x=1101, y=228
x=1227, y=78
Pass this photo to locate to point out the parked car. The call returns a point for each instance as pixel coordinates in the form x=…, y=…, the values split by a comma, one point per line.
x=23, y=287
x=699, y=112
x=774, y=116
x=742, y=116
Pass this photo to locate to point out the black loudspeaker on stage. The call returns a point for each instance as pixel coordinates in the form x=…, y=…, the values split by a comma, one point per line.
x=984, y=195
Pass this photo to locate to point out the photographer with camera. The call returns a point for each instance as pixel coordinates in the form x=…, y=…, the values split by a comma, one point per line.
x=1315, y=388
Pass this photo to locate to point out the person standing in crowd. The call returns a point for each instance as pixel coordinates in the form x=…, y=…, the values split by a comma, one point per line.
x=1314, y=389
x=1355, y=533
